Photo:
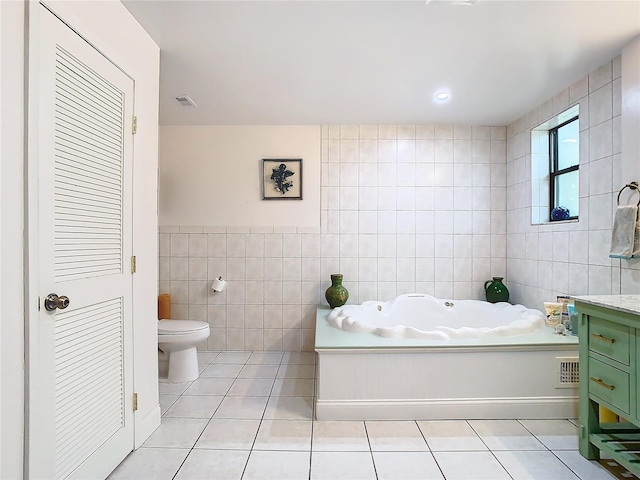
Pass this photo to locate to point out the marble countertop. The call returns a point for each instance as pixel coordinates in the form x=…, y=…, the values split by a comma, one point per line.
x=622, y=303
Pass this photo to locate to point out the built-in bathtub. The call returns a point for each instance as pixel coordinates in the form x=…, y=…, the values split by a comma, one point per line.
x=426, y=317
x=365, y=376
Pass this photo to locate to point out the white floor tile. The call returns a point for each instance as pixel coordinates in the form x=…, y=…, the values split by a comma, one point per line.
x=406, y=466
x=554, y=434
x=395, y=436
x=213, y=465
x=339, y=436
x=166, y=401
x=251, y=387
x=299, y=358
x=296, y=371
x=530, y=465
x=505, y=435
x=450, y=436
x=232, y=357
x=342, y=465
x=222, y=370
x=198, y=406
x=470, y=466
x=265, y=358
x=583, y=468
x=229, y=434
x=207, y=356
x=209, y=386
x=284, y=435
x=294, y=408
x=176, y=433
x=242, y=407
x=294, y=387
x=276, y=465
x=173, y=388
x=156, y=463
x=258, y=371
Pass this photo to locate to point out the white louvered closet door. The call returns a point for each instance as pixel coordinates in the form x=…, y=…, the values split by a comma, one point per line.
x=83, y=362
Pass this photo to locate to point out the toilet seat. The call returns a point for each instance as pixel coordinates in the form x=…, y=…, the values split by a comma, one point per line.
x=180, y=327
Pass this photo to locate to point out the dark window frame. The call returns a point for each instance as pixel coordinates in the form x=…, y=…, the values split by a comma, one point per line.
x=553, y=167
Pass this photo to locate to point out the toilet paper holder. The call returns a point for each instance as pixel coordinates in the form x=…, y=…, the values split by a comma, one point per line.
x=218, y=284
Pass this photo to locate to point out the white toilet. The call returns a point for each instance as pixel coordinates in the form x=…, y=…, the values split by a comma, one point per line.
x=177, y=354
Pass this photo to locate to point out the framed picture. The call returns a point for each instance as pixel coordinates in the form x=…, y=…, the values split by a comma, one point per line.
x=282, y=179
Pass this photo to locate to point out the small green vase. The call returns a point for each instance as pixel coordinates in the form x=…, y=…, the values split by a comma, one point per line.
x=496, y=291
x=336, y=294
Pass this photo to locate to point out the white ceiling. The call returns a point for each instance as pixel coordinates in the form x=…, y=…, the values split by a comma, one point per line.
x=362, y=62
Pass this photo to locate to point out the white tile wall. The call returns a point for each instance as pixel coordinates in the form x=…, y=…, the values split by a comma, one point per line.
x=570, y=258
x=405, y=208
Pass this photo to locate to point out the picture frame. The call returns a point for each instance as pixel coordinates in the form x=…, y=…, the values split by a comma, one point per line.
x=281, y=178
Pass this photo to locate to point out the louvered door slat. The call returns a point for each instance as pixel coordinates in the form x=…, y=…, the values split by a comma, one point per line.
x=69, y=115
x=89, y=160
x=82, y=89
x=88, y=119
x=70, y=64
x=68, y=119
x=74, y=173
x=102, y=356
x=70, y=129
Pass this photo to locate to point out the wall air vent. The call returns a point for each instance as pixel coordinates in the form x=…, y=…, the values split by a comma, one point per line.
x=567, y=372
x=185, y=101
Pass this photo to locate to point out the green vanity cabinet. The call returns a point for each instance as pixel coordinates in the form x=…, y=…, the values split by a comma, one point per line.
x=609, y=334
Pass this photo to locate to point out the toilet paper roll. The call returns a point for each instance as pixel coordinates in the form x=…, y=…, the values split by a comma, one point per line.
x=218, y=285
x=164, y=306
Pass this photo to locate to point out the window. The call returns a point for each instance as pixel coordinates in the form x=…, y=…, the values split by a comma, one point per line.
x=555, y=161
x=563, y=169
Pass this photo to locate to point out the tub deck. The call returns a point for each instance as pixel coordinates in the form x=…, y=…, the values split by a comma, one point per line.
x=367, y=377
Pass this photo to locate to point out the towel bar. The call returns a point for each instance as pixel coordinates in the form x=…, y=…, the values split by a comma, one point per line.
x=632, y=186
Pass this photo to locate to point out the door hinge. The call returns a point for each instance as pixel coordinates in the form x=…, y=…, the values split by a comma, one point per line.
x=135, y=402
x=133, y=264
x=134, y=126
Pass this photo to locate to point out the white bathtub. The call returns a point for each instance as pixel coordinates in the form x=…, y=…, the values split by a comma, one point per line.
x=424, y=316
x=365, y=376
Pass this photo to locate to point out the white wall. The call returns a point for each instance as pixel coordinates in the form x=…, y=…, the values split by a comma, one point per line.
x=134, y=50
x=210, y=175
x=11, y=238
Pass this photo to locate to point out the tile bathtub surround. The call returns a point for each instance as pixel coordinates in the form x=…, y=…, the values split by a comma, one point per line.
x=405, y=209
x=570, y=258
x=272, y=435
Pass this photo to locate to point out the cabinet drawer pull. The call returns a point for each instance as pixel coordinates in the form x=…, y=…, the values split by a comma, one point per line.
x=602, y=384
x=601, y=338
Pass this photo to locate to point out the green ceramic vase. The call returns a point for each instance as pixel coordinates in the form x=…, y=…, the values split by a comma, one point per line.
x=336, y=294
x=496, y=291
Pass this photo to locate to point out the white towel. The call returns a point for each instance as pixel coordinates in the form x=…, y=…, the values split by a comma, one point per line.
x=636, y=238
x=624, y=232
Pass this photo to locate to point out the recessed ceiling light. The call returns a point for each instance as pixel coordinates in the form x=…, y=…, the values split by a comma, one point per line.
x=442, y=96
x=185, y=101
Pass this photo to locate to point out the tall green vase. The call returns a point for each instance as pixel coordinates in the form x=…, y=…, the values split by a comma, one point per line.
x=496, y=291
x=336, y=294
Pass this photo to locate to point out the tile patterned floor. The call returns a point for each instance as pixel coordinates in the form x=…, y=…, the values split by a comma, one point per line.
x=250, y=416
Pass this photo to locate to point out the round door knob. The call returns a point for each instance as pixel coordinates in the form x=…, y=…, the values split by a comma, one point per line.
x=53, y=301
x=63, y=302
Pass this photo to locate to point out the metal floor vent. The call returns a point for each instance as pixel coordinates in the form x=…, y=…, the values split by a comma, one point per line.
x=568, y=368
